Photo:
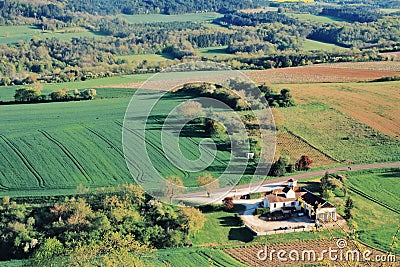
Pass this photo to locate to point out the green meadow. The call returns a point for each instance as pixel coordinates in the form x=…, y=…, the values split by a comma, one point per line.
x=317, y=18
x=339, y=135
x=14, y=34
x=310, y=45
x=152, y=18
x=376, y=202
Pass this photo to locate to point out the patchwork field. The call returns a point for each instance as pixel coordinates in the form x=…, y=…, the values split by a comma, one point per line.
x=375, y=104
x=328, y=73
x=338, y=135
x=46, y=148
x=293, y=146
x=13, y=34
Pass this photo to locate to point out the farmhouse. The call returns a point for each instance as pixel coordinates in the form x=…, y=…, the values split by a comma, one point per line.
x=290, y=198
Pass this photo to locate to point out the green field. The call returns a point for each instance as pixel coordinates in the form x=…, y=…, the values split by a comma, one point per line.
x=310, y=45
x=339, y=135
x=317, y=18
x=192, y=257
x=49, y=149
x=7, y=92
x=376, y=223
x=14, y=34
x=215, y=51
x=151, y=18
x=152, y=58
x=220, y=228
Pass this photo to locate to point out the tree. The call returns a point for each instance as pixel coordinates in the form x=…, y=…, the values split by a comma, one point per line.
x=173, y=186
x=209, y=182
x=88, y=94
x=190, y=109
x=59, y=95
x=28, y=94
x=228, y=203
x=279, y=167
x=47, y=251
x=192, y=220
x=304, y=163
x=348, y=208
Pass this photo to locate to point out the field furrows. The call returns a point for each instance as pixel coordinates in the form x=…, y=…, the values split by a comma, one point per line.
x=139, y=173
x=361, y=193
x=156, y=153
x=293, y=146
x=318, y=247
x=68, y=154
x=27, y=163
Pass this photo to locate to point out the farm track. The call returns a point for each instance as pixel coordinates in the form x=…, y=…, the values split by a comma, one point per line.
x=119, y=150
x=364, y=195
x=68, y=154
x=31, y=168
x=159, y=150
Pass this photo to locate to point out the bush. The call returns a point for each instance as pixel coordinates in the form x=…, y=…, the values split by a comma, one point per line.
x=261, y=211
x=255, y=195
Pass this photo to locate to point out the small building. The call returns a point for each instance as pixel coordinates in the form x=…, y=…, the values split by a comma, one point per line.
x=249, y=155
x=290, y=198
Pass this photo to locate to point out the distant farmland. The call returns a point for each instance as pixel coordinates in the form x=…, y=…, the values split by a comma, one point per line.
x=13, y=34
x=150, y=18
x=328, y=73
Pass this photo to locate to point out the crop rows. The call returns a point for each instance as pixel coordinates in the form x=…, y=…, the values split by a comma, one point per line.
x=294, y=147
x=248, y=255
x=196, y=257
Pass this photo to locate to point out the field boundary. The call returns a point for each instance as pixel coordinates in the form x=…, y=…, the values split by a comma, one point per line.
x=308, y=143
x=39, y=178
x=366, y=196
x=68, y=154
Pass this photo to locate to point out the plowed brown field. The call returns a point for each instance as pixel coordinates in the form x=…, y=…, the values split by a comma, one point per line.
x=324, y=73
x=375, y=104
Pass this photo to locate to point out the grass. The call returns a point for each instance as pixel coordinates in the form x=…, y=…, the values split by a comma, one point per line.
x=152, y=58
x=220, y=228
x=151, y=18
x=375, y=104
x=14, y=34
x=215, y=51
x=339, y=135
x=192, y=257
x=376, y=224
x=311, y=45
x=51, y=148
x=318, y=18
x=7, y=92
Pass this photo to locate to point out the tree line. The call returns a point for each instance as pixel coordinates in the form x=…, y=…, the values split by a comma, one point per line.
x=107, y=225
x=33, y=94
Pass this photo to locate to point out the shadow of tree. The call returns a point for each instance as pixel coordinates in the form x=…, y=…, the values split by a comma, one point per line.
x=241, y=234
